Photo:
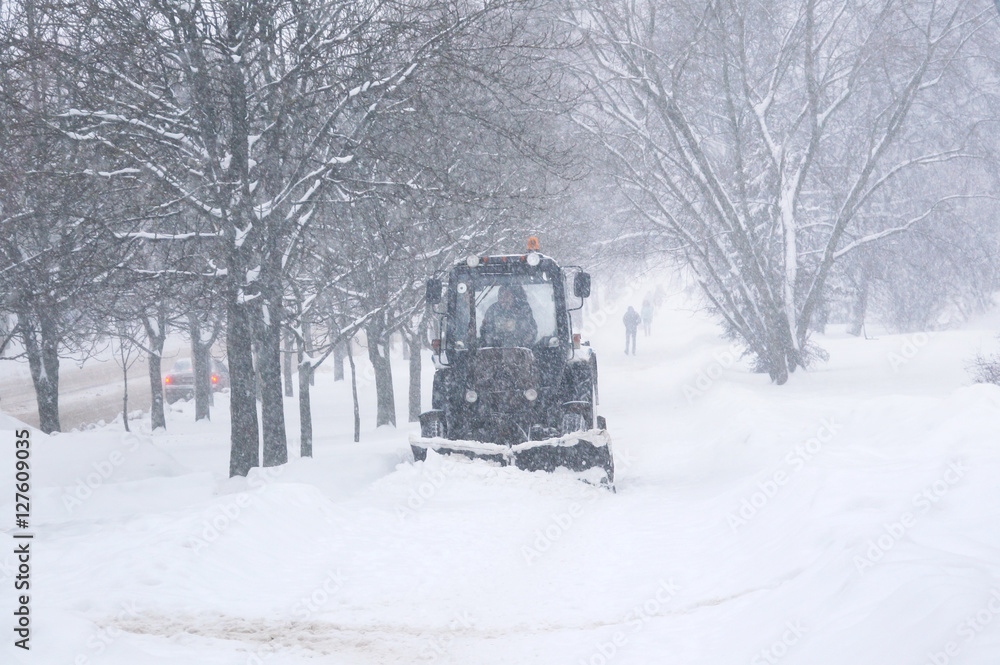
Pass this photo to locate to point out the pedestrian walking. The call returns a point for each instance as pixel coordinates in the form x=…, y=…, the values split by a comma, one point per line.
x=647, y=317
x=631, y=321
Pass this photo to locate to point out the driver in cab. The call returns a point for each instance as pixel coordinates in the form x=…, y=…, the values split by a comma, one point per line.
x=509, y=321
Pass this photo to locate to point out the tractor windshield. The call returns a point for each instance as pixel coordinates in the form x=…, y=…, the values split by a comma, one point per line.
x=510, y=310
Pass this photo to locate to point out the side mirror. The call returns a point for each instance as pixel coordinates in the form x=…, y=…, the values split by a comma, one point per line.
x=433, y=294
x=581, y=285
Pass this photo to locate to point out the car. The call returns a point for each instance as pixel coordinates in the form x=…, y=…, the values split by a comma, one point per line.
x=179, y=383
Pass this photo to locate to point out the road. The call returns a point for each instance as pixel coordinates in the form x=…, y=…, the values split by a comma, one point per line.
x=87, y=394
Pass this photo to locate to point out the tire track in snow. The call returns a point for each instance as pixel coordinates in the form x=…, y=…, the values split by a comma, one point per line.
x=327, y=637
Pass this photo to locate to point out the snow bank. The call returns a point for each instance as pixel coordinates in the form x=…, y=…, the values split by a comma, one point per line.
x=847, y=517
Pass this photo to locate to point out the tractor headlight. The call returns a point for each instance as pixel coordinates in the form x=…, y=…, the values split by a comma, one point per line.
x=531, y=394
x=472, y=261
x=534, y=259
x=471, y=396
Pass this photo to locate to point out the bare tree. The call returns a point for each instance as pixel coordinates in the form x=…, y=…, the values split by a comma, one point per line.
x=125, y=351
x=753, y=140
x=248, y=113
x=55, y=248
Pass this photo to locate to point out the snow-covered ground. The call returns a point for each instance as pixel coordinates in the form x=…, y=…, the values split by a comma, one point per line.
x=850, y=516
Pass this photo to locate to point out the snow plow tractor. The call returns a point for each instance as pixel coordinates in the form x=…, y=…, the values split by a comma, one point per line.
x=512, y=382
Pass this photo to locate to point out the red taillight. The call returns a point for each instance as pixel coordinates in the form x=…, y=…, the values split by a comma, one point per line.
x=166, y=380
x=576, y=340
x=436, y=346
x=215, y=379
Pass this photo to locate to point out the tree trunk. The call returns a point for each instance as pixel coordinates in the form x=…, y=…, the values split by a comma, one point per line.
x=125, y=397
x=204, y=398
x=781, y=354
x=769, y=339
x=43, y=362
x=201, y=365
x=378, y=353
x=50, y=360
x=245, y=437
x=414, y=344
x=354, y=394
x=156, y=338
x=305, y=403
x=157, y=418
x=307, y=334
x=305, y=411
x=338, y=362
x=859, y=309
x=272, y=399
x=821, y=319
x=286, y=365
x=255, y=350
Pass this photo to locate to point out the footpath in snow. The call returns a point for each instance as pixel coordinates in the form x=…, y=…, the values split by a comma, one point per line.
x=850, y=516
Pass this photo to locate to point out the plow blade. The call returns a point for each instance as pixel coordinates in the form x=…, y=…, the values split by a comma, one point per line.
x=578, y=451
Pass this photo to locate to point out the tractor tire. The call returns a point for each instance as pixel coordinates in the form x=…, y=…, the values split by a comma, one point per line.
x=432, y=425
x=579, y=390
x=440, y=393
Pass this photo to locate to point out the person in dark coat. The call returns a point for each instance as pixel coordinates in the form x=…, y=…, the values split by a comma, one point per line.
x=509, y=321
x=631, y=321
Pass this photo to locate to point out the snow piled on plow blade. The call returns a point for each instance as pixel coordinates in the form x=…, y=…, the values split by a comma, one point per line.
x=577, y=451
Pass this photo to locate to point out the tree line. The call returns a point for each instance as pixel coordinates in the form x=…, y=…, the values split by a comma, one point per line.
x=275, y=174
x=802, y=159
x=279, y=175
